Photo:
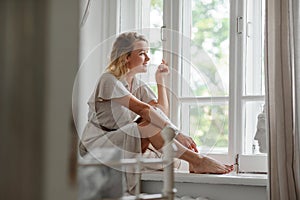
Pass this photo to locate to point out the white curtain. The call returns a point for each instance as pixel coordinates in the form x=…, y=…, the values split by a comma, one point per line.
x=97, y=34
x=283, y=88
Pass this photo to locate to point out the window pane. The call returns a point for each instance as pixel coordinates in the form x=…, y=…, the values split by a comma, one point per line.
x=152, y=20
x=208, y=126
x=254, y=68
x=156, y=13
x=207, y=65
x=255, y=132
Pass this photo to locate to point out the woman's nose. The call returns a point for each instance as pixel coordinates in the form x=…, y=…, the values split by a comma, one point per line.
x=147, y=57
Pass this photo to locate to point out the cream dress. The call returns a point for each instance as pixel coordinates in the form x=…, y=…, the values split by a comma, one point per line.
x=111, y=125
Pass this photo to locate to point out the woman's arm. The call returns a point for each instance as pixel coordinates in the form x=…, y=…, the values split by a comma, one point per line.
x=154, y=116
x=146, y=111
x=163, y=103
x=161, y=76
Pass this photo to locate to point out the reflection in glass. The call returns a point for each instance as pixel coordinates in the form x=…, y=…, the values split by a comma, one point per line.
x=252, y=111
x=261, y=134
x=209, y=127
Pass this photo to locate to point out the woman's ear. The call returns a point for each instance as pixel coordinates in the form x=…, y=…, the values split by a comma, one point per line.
x=127, y=58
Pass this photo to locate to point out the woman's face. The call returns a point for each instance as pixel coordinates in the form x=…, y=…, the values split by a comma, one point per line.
x=138, y=59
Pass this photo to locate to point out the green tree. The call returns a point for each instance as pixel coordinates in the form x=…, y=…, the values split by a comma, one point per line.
x=209, y=124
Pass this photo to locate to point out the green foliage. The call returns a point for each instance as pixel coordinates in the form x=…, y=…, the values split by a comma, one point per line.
x=157, y=5
x=210, y=31
x=209, y=125
x=209, y=24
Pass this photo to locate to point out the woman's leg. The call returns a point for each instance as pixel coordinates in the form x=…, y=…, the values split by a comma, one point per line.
x=198, y=163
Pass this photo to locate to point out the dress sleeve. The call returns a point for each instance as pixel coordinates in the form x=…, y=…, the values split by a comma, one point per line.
x=143, y=92
x=109, y=87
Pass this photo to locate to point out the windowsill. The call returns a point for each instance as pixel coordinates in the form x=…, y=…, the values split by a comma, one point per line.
x=226, y=179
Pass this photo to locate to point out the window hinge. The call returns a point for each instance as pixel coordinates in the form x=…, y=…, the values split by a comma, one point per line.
x=248, y=29
x=239, y=25
x=162, y=35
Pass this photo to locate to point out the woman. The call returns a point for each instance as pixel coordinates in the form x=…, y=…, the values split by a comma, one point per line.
x=119, y=98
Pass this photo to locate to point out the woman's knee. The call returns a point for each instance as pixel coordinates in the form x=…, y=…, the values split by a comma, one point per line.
x=148, y=130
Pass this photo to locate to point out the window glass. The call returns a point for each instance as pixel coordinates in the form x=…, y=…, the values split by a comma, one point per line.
x=200, y=85
x=254, y=66
x=205, y=71
x=152, y=14
x=208, y=127
x=255, y=131
x=209, y=49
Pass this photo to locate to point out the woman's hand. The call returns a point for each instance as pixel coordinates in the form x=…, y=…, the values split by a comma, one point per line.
x=162, y=72
x=186, y=141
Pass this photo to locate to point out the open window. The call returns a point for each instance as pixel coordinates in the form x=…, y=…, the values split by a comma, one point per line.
x=215, y=49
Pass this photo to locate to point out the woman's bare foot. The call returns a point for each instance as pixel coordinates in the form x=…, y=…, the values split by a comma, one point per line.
x=207, y=165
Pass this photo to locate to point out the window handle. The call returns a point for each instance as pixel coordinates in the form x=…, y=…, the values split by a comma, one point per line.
x=239, y=25
x=237, y=164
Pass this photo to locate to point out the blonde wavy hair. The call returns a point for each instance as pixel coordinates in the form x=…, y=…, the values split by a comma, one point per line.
x=122, y=48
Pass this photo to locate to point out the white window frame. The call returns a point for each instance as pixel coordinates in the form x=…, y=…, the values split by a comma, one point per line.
x=236, y=97
x=172, y=19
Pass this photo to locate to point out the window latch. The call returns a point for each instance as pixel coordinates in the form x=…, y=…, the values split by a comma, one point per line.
x=237, y=164
x=239, y=25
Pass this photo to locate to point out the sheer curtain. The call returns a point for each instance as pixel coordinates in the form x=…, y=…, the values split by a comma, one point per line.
x=99, y=26
x=283, y=88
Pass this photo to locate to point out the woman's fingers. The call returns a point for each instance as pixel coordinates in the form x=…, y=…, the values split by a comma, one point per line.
x=192, y=144
x=194, y=147
x=163, y=68
x=187, y=141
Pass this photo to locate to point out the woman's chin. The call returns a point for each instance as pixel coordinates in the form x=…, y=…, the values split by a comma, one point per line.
x=144, y=70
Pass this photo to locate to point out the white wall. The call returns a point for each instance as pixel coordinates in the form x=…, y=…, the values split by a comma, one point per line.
x=96, y=38
x=210, y=191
